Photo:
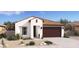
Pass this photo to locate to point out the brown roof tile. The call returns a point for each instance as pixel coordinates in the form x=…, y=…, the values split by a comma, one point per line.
x=51, y=23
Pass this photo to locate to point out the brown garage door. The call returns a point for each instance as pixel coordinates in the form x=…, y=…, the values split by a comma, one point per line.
x=51, y=31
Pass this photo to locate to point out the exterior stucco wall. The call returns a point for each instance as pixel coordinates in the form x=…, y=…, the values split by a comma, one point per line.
x=62, y=31
x=23, y=23
x=29, y=25
x=38, y=25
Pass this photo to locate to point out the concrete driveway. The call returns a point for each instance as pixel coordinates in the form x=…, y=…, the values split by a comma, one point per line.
x=64, y=42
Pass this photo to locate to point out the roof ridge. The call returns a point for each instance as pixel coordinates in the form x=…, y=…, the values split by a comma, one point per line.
x=37, y=17
x=42, y=18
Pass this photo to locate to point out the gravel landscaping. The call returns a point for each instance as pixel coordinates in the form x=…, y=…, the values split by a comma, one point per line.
x=71, y=42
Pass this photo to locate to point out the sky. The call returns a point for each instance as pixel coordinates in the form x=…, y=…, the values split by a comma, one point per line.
x=14, y=16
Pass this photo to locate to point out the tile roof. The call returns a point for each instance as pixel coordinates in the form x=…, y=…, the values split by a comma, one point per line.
x=51, y=23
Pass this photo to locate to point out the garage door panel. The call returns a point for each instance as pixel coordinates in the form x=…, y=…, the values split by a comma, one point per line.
x=51, y=31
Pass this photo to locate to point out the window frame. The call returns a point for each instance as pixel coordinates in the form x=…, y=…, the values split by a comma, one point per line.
x=24, y=30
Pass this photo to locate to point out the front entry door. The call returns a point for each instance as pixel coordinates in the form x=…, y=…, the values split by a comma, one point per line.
x=34, y=31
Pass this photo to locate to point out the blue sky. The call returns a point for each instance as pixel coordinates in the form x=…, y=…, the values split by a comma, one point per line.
x=51, y=15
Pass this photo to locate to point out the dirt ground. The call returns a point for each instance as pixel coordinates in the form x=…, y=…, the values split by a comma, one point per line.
x=72, y=42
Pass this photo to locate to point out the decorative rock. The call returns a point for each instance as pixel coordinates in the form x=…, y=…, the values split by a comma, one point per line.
x=43, y=43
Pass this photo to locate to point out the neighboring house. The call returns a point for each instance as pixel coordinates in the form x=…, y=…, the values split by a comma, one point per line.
x=75, y=25
x=36, y=27
x=2, y=29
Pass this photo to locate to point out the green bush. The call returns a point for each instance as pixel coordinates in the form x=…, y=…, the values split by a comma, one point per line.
x=48, y=42
x=76, y=33
x=31, y=43
x=17, y=36
x=3, y=36
x=66, y=36
x=11, y=38
x=3, y=43
x=27, y=44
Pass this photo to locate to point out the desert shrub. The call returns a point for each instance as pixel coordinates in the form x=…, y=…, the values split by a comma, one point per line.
x=76, y=33
x=66, y=35
x=31, y=43
x=27, y=44
x=69, y=27
x=2, y=35
x=48, y=42
x=3, y=43
x=11, y=37
x=17, y=36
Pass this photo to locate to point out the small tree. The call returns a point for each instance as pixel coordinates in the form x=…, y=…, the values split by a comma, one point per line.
x=69, y=27
x=2, y=36
x=17, y=36
x=10, y=25
x=64, y=21
x=67, y=24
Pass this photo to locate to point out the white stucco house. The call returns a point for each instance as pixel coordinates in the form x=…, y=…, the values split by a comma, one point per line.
x=36, y=27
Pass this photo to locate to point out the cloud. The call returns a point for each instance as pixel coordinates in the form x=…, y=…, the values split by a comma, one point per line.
x=11, y=12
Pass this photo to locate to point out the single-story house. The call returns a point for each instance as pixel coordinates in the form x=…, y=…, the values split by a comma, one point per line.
x=36, y=27
x=2, y=29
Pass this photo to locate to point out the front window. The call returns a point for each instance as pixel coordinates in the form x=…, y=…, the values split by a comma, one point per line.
x=24, y=30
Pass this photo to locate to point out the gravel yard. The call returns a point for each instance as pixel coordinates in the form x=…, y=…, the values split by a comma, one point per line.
x=71, y=42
